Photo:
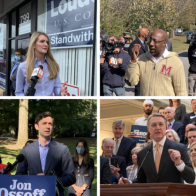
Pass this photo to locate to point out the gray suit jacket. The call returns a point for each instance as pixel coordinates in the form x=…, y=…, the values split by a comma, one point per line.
x=58, y=159
x=167, y=169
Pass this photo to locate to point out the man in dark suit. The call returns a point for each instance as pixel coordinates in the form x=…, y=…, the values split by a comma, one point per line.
x=169, y=114
x=120, y=170
x=46, y=154
x=122, y=145
x=141, y=40
x=191, y=117
x=105, y=173
x=169, y=45
x=166, y=160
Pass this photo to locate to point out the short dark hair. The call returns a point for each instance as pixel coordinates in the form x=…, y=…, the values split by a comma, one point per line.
x=18, y=51
x=161, y=108
x=43, y=115
x=29, y=142
x=192, y=129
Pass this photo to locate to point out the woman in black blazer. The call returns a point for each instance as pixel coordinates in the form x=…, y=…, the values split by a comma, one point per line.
x=84, y=170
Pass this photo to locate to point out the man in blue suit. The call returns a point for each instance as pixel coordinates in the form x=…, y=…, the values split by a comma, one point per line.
x=122, y=145
x=172, y=124
x=46, y=154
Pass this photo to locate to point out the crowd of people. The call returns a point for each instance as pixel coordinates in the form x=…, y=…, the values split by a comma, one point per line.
x=46, y=154
x=168, y=154
x=146, y=62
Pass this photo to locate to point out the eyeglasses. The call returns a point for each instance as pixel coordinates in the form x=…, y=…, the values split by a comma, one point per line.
x=155, y=42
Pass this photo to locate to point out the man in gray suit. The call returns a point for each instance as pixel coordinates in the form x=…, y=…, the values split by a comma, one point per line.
x=46, y=154
x=163, y=160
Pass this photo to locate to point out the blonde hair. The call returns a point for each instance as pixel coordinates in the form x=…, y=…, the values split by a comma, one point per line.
x=53, y=67
x=194, y=143
x=176, y=137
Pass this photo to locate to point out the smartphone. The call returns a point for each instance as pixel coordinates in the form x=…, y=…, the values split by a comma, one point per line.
x=114, y=161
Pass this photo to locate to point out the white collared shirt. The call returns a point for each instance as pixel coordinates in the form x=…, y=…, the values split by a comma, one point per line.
x=141, y=121
x=164, y=55
x=162, y=142
x=119, y=141
x=141, y=40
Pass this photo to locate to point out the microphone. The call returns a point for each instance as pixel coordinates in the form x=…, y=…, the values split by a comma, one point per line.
x=52, y=172
x=19, y=159
x=38, y=73
x=142, y=163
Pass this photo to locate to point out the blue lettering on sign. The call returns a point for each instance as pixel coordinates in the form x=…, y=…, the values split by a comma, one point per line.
x=70, y=23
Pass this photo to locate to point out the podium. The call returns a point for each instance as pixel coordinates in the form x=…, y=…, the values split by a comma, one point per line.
x=148, y=189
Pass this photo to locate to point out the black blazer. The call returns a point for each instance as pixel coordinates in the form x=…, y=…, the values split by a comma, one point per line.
x=167, y=169
x=58, y=158
x=142, y=49
x=187, y=119
x=179, y=128
x=125, y=148
x=105, y=172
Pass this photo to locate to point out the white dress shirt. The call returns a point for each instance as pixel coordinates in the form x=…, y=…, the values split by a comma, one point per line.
x=165, y=54
x=141, y=121
x=119, y=141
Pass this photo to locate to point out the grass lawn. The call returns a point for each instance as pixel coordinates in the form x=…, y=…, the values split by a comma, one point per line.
x=179, y=43
x=9, y=151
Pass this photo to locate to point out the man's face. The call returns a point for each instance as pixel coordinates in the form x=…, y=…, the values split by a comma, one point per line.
x=157, y=128
x=44, y=127
x=169, y=114
x=188, y=127
x=156, y=44
x=191, y=137
x=194, y=105
x=112, y=40
x=18, y=54
x=118, y=131
x=148, y=108
x=162, y=111
x=108, y=148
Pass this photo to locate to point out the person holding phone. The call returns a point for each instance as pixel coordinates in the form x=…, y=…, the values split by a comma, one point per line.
x=84, y=170
x=117, y=163
x=39, y=53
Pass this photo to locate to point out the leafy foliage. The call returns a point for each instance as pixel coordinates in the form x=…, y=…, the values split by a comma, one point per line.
x=71, y=116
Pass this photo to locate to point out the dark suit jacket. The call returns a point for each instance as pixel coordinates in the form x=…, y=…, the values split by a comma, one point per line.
x=105, y=172
x=179, y=128
x=167, y=169
x=169, y=45
x=58, y=158
x=122, y=166
x=142, y=49
x=125, y=148
x=187, y=119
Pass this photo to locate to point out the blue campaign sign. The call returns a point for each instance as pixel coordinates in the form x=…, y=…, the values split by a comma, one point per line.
x=22, y=185
x=140, y=133
x=2, y=80
x=70, y=23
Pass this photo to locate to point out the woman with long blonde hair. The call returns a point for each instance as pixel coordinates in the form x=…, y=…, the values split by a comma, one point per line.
x=39, y=53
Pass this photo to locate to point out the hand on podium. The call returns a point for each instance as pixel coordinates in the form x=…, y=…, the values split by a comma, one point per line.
x=123, y=181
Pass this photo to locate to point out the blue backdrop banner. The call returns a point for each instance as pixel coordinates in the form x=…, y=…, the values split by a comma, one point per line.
x=23, y=185
x=70, y=23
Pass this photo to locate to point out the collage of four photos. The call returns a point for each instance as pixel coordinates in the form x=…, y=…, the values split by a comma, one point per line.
x=86, y=143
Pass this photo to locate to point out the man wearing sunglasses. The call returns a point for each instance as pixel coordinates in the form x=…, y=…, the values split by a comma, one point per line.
x=160, y=72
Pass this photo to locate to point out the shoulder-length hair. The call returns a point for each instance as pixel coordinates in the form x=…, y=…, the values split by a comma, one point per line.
x=171, y=103
x=176, y=137
x=53, y=67
x=87, y=160
x=194, y=143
